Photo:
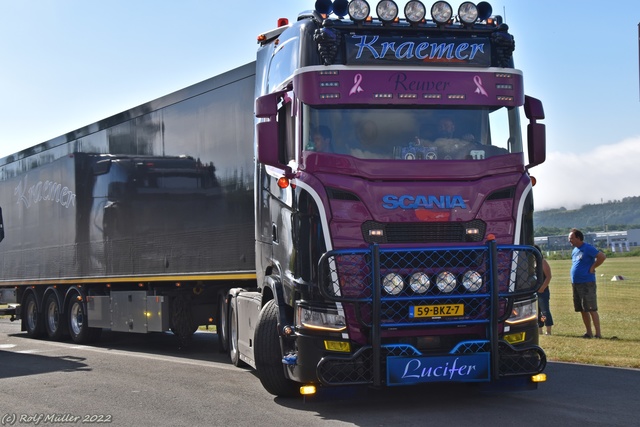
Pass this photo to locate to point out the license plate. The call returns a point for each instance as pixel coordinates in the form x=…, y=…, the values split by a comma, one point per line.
x=436, y=310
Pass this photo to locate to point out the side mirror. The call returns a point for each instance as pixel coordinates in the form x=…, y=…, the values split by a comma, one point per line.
x=268, y=150
x=536, y=132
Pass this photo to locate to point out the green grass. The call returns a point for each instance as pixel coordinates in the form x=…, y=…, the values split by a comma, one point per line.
x=619, y=319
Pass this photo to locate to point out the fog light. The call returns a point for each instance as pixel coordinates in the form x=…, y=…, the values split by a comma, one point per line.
x=515, y=338
x=306, y=390
x=446, y=282
x=539, y=378
x=419, y=283
x=341, y=346
x=393, y=284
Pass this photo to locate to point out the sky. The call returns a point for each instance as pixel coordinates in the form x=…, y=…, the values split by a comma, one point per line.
x=67, y=63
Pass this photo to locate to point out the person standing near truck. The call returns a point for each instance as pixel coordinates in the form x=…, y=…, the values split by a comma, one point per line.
x=584, y=260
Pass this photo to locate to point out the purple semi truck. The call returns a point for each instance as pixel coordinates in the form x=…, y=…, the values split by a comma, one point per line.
x=352, y=208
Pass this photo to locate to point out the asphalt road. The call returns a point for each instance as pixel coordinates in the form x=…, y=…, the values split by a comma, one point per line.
x=145, y=380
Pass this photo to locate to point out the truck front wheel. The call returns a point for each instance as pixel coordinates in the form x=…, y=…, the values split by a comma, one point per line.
x=269, y=356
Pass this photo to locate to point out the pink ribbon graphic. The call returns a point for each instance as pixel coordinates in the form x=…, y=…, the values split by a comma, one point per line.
x=356, y=85
x=479, y=89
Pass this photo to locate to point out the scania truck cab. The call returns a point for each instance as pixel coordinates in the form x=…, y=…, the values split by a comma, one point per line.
x=394, y=203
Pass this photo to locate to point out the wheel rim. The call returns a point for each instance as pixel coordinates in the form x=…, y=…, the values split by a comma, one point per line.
x=77, y=318
x=53, y=316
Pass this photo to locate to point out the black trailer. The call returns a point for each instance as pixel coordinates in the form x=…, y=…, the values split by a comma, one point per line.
x=138, y=222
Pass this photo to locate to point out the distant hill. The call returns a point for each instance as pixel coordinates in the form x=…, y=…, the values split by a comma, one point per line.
x=612, y=215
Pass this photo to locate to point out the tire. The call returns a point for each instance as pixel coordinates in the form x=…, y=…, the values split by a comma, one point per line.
x=79, y=328
x=33, y=322
x=182, y=324
x=222, y=325
x=269, y=355
x=234, y=352
x=53, y=318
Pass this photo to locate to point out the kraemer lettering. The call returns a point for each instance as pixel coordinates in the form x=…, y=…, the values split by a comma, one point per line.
x=389, y=49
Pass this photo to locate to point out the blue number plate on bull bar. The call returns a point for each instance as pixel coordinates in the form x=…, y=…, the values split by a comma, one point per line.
x=402, y=370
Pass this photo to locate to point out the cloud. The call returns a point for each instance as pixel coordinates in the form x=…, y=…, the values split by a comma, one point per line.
x=570, y=180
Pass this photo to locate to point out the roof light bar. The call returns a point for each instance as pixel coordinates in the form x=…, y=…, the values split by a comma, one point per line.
x=387, y=10
x=441, y=12
x=468, y=13
x=359, y=10
x=415, y=11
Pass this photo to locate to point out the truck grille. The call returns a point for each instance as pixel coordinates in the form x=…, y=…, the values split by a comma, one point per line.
x=429, y=232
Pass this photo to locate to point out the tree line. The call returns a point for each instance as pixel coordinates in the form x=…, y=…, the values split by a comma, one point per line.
x=613, y=215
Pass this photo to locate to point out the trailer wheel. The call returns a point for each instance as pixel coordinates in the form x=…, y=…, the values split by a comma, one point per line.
x=33, y=319
x=269, y=355
x=234, y=352
x=79, y=328
x=53, y=318
x=222, y=325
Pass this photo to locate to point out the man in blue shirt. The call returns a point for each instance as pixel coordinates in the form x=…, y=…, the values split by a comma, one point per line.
x=585, y=259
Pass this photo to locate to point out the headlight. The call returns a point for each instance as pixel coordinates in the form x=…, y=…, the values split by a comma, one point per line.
x=414, y=11
x=468, y=13
x=326, y=319
x=393, y=284
x=523, y=311
x=446, y=282
x=387, y=10
x=419, y=283
x=441, y=12
x=359, y=10
x=472, y=281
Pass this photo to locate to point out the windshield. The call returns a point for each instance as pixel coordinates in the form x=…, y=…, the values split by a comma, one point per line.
x=413, y=133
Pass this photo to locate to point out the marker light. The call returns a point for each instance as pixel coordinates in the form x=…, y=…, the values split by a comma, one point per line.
x=446, y=282
x=341, y=8
x=283, y=182
x=441, y=12
x=415, y=11
x=468, y=13
x=387, y=10
x=359, y=10
x=393, y=284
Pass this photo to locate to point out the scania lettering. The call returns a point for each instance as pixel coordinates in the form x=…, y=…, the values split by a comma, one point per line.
x=352, y=208
x=426, y=202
